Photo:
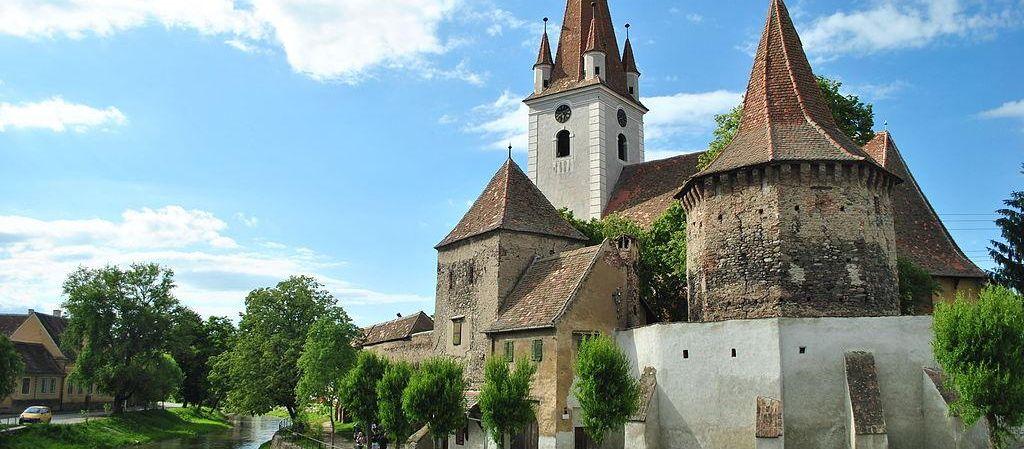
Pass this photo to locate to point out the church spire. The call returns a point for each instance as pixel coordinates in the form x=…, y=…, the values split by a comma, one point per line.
x=628, y=60
x=785, y=117
x=544, y=56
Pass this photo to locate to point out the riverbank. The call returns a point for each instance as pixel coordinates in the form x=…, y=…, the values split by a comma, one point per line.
x=117, y=432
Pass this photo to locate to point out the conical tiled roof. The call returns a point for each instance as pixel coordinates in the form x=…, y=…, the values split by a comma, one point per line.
x=592, y=39
x=544, y=56
x=511, y=202
x=920, y=234
x=628, y=60
x=573, y=42
x=785, y=117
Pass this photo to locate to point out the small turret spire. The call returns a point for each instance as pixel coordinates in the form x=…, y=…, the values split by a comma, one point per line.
x=628, y=60
x=544, y=55
x=592, y=39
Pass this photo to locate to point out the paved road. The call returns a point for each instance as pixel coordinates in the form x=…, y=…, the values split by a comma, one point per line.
x=64, y=418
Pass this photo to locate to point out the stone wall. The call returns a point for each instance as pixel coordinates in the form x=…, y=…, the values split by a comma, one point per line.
x=414, y=350
x=473, y=277
x=791, y=240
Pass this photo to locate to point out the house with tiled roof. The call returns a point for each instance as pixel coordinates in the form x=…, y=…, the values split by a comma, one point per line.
x=794, y=337
x=37, y=338
x=406, y=338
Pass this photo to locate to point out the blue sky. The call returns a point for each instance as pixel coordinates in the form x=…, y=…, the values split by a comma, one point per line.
x=240, y=142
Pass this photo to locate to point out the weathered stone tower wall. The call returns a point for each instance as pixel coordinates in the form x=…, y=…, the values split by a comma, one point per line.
x=792, y=240
x=473, y=277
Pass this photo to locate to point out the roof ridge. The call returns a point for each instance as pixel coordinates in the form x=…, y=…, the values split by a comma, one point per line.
x=570, y=253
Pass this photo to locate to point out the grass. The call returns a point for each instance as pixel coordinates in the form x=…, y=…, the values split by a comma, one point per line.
x=115, y=432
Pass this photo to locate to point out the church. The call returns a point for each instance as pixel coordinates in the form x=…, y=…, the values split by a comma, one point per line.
x=794, y=337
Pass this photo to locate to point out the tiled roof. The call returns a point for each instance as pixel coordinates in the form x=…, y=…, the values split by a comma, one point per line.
x=865, y=396
x=54, y=325
x=511, y=202
x=37, y=359
x=397, y=329
x=10, y=323
x=648, y=388
x=628, y=60
x=920, y=234
x=545, y=290
x=646, y=190
x=769, y=418
x=544, y=55
x=568, y=72
x=785, y=117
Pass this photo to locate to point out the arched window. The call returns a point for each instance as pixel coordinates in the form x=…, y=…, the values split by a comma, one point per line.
x=562, y=149
x=623, y=148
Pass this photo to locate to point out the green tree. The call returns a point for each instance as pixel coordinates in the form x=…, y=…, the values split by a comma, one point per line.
x=662, y=264
x=186, y=348
x=219, y=333
x=435, y=396
x=160, y=380
x=359, y=395
x=916, y=286
x=389, y=402
x=262, y=367
x=326, y=357
x=505, y=398
x=855, y=118
x=979, y=345
x=11, y=367
x=119, y=321
x=1009, y=254
x=607, y=393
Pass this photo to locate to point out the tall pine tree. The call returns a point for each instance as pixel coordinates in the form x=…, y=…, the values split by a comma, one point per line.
x=1009, y=254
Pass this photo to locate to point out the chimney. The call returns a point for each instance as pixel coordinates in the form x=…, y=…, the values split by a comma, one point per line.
x=57, y=313
x=31, y=311
x=399, y=315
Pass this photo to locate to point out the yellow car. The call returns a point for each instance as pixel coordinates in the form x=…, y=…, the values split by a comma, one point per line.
x=36, y=414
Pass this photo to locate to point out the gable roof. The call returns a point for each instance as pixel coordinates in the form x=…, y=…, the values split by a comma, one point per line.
x=54, y=326
x=37, y=359
x=920, y=234
x=583, y=23
x=646, y=190
x=785, y=116
x=511, y=202
x=397, y=329
x=545, y=290
x=10, y=323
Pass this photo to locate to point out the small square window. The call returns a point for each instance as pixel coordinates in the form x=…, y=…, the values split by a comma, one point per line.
x=686, y=353
x=538, y=350
x=471, y=274
x=597, y=70
x=734, y=352
x=632, y=90
x=546, y=83
x=510, y=350
x=803, y=349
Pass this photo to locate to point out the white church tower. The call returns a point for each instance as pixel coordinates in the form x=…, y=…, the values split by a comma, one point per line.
x=586, y=119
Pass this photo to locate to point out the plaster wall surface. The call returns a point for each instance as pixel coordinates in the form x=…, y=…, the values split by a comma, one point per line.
x=707, y=400
x=942, y=430
x=584, y=180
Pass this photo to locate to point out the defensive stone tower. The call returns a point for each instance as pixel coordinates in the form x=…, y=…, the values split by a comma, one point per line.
x=479, y=262
x=793, y=219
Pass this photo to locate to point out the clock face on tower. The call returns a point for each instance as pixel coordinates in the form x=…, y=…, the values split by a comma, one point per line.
x=622, y=118
x=563, y=113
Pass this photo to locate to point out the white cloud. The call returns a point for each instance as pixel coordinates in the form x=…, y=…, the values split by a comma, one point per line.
x=212, y=270
x=324, y=39
x=1012, y=109
x=504, y=121
x=248, y=220
x=879, y=92
x=686, y=113
x=895, y=25
x=57, y=115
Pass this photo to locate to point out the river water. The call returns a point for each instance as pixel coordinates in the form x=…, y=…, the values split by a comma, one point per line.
x=247, y=433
